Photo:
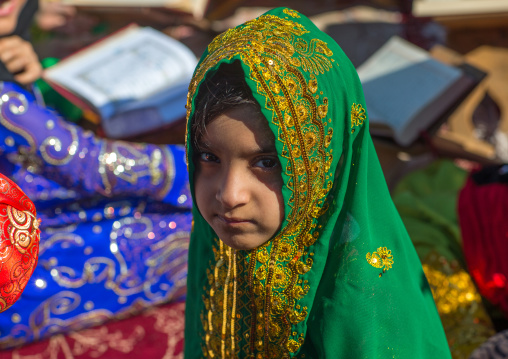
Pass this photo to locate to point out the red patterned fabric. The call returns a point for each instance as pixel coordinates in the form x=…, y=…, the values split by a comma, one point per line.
x=19, y=241
x=483, y=220
x=156, y=333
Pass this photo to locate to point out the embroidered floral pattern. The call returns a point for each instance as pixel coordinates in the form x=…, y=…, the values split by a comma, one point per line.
x=358, y=115
x=382, y=258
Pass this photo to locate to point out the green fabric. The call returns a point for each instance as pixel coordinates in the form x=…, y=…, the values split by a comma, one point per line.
x=427, y=203
x=341, y=279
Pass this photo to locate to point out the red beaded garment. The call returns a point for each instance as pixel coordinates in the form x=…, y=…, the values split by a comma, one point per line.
x=19, y=241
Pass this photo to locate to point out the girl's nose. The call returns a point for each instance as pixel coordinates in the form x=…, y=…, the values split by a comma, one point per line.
x=233, y=190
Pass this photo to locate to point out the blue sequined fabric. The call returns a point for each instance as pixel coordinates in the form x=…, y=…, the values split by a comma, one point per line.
x=115, y=221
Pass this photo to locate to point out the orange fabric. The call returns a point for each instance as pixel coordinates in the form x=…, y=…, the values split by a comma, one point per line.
x=19, y=241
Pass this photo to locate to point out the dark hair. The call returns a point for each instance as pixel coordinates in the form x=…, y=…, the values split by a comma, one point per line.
x=222, y=91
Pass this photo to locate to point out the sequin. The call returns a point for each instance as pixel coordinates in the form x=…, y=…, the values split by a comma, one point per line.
x=40, y=283
x=113, y=247
x=89, y=305
x=50, y=124
x=9, y=141
x=15, y=318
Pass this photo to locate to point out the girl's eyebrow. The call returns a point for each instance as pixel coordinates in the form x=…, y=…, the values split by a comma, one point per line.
x=265, y=150
x=203, y=145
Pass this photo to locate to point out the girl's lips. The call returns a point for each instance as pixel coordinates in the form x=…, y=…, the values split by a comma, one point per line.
x=7, y=7
x=233, y=221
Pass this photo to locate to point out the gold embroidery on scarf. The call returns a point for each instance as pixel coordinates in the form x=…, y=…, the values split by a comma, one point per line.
x=273, y=275
x=382, y=258
x=314, y=56
x=313, y=84
x=358, y=116
x=220, y=302
x=291, y=13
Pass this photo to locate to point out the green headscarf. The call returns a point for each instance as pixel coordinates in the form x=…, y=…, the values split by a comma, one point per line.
x=341, y=279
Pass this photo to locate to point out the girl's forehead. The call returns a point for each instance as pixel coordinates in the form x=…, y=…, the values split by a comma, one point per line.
x=243, y=123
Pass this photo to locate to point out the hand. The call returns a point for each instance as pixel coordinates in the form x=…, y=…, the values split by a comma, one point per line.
x=20, y=59
x=52, y=14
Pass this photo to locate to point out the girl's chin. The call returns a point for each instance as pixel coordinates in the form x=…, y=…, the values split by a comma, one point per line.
x=238, y=245
x=243, y=244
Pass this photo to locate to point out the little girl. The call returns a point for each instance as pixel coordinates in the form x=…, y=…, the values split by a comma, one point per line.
x=297, y=250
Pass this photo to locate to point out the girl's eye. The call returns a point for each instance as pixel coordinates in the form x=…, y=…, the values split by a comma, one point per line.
x=208, y=157
x=267, y=163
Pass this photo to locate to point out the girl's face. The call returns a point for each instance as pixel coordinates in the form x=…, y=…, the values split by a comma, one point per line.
x=238, y=183
x=9, y=12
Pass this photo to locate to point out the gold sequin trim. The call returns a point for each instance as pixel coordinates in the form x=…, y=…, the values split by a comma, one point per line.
x=221, y=302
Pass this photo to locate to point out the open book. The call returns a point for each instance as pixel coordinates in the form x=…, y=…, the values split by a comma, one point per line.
x=195, y=7
x=407, y=91
x=135, y=80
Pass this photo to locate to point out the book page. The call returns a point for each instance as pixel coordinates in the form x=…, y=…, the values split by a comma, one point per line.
x=399, y=80
x=132, y=66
